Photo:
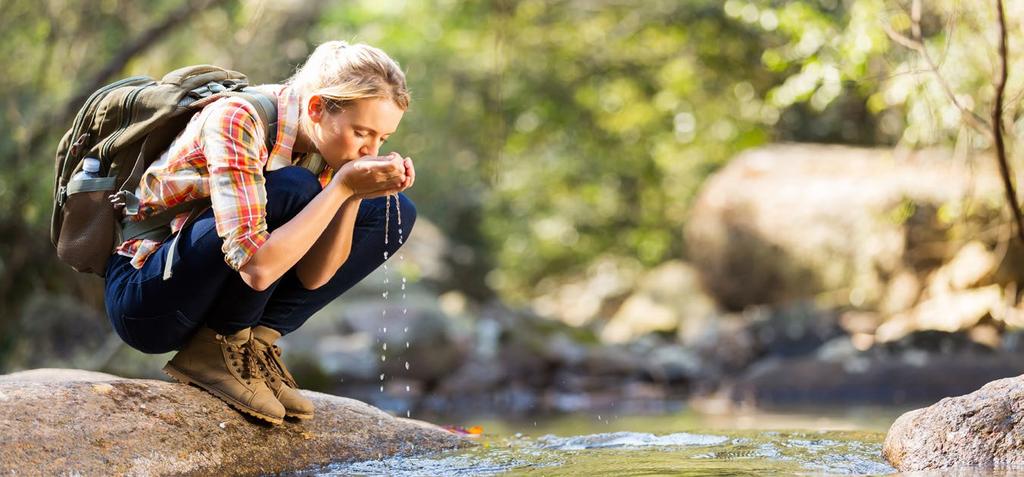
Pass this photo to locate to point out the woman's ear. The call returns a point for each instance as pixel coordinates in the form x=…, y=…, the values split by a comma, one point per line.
x=315, y=108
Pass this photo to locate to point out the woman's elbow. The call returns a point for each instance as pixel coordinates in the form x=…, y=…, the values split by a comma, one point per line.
x=255, y=278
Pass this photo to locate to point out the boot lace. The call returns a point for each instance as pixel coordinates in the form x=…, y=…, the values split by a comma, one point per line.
x=245, y=360
x=271, y=364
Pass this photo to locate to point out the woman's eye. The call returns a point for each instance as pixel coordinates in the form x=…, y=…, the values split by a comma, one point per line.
x=359, y=134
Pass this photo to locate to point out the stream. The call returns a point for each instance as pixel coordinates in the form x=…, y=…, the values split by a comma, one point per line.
x=818, y=442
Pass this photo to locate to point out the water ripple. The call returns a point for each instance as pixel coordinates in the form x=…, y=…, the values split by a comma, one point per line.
x=636, y=453
x=628, y=440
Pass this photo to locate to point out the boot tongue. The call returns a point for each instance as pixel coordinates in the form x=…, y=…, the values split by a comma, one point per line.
x=239, y=338
x=265, y=334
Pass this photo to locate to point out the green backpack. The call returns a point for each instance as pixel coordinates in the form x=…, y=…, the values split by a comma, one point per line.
x=127, y=125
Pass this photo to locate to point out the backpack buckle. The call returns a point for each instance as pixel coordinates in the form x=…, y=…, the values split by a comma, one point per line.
x=234, y=85
x=213, y=88
x=127, y=201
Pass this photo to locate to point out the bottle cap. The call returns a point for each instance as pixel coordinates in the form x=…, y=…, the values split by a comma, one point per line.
x=91, y=164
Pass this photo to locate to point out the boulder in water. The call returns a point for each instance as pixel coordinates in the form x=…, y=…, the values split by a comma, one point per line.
x=981, y=429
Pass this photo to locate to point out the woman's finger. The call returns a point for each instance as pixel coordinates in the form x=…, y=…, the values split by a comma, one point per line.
x=410, y=171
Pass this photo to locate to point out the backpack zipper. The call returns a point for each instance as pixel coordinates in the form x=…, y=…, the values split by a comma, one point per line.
x=127, y=106
x=80, y=118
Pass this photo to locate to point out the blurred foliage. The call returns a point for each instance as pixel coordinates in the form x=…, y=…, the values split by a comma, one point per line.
x=547, y=133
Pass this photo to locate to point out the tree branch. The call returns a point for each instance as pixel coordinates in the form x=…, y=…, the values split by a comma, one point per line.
x=144, y=41
x=996, y=129
x=117, y=63
x=917, y=44
x=997, y=122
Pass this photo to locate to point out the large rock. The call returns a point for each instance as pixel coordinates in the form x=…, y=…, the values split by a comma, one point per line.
x=665, y=299
x=981, y=429
x=605, y=284
x=347, y=339
x=84, y=423
x=795, y=221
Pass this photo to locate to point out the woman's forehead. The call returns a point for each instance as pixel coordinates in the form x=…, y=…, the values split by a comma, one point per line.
x=381, y=115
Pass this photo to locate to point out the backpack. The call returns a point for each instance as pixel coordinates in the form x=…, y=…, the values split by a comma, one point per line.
x=127, y=125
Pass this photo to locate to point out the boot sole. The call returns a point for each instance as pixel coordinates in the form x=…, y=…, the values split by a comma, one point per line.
x=178, y=375
x=298, y=416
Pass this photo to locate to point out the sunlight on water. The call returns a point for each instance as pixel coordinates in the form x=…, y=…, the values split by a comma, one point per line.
x=627, y=439
x=633, y=453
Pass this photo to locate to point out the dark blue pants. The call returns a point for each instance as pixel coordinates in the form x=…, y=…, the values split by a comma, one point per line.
x=156, y=316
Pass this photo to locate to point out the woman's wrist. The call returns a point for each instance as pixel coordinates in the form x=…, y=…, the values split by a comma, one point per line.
x=343, y=191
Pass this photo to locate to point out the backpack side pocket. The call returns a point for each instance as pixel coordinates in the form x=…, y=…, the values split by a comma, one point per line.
x=88, y=225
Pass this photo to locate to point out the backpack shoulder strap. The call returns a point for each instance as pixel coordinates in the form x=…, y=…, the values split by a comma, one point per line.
x=266, y=109
x=156, y=227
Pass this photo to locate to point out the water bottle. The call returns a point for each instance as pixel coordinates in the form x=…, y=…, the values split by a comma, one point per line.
x=90, y=169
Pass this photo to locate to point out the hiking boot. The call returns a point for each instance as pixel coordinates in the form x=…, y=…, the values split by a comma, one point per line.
x=228, y=367
x=278, y=378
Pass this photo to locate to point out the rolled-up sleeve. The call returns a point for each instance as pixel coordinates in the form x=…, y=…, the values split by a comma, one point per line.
x=232, y=143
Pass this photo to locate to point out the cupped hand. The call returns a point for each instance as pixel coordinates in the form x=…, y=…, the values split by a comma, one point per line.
x=377, y=176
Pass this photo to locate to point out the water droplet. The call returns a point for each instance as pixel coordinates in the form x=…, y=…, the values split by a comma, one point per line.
x=385, y=329
x=381, y=376
x=383, y=358
x=381, y=390
x=405, y=330
x=404, y=310
x=406, y=365
x=407, y=413
x=385, y=347
x=385, y=295
x=406, y=388
x=406, y=345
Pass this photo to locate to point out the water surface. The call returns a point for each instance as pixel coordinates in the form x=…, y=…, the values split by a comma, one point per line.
x=822, y=442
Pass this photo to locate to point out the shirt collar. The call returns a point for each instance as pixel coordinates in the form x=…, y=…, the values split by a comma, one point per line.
x=289, y=106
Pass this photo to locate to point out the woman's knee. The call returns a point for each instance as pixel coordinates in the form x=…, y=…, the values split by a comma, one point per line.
x=289, y=189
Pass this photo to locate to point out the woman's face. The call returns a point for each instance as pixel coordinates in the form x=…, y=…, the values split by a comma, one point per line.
x=357, y=130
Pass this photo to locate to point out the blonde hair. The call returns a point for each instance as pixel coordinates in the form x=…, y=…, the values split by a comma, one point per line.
x=343, y=73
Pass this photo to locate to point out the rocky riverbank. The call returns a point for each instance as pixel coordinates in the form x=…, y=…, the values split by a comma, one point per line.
x=72, y=422
x=983, y=429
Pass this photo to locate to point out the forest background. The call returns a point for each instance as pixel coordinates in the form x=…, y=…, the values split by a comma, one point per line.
x=549, y=136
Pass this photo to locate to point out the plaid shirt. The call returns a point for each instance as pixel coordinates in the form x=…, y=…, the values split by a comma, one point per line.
x=221, y=154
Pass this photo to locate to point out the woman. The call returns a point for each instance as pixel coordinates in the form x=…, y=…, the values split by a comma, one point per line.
x=278, y=242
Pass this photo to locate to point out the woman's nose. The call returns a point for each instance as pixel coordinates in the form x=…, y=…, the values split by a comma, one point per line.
x=370, y=149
